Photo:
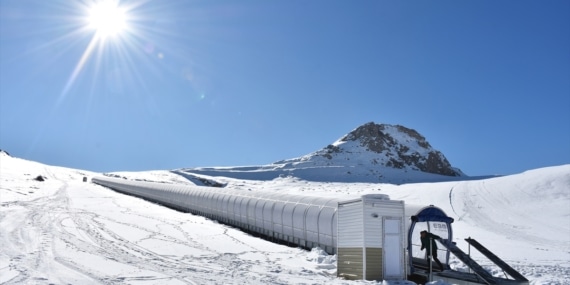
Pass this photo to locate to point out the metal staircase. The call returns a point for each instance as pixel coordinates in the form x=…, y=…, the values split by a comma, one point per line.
x=467, y=260
x=499, y=262
x=484, y=277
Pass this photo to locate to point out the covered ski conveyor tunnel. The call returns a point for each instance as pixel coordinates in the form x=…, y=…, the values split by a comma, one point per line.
x=365, y=231
x=375, y=238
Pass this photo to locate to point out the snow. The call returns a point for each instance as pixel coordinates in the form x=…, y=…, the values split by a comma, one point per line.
x=66, y=231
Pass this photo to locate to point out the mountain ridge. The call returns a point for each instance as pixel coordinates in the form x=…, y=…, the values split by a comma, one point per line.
x=369, y=153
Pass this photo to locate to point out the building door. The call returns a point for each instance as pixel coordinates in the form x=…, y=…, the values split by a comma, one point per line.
x=393, y=249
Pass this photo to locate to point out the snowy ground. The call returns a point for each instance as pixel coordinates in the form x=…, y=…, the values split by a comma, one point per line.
x=66, y=231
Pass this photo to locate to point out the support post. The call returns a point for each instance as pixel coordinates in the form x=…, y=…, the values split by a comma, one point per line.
x=429, y=260
x=469, y=253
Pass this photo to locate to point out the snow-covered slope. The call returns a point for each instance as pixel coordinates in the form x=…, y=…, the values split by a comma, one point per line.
x=66, y=231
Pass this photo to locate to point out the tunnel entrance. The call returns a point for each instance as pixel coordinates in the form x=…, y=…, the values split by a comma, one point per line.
x=435, y=221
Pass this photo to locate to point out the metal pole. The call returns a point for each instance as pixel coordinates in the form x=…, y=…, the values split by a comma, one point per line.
x=429, y=260
x=469, y=253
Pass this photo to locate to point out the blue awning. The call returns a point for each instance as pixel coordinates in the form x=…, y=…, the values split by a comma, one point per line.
x=431, y=214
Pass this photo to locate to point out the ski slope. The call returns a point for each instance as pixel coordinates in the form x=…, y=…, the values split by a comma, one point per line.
x=65, y=231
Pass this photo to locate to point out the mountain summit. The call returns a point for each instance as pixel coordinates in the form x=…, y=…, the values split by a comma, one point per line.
x=369, y=153
x=392, y=146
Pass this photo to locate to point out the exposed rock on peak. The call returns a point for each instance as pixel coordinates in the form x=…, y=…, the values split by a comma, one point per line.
x=392, y=146
x=377, y=137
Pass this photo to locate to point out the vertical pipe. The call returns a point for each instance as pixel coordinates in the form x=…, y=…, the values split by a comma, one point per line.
x=364, y=242
x=469, y=253
x=410, y=253
x=429, y=260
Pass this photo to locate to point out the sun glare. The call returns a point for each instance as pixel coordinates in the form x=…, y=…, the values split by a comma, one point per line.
x=107, y=18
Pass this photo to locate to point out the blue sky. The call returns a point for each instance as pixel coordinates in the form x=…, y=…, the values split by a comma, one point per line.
x=228, y=83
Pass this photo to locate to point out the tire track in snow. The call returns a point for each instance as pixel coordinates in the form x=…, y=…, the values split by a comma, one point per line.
x=234, y=266
x=451, y=201
x=106, y=243
x=482, y=204
x=33, y=236
x=48, y=220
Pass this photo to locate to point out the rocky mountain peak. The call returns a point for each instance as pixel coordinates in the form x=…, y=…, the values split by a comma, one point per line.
x=391, y=146
x=370, y=153
x=378, y=138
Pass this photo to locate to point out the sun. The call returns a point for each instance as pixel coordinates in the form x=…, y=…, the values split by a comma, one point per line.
x=107, y=18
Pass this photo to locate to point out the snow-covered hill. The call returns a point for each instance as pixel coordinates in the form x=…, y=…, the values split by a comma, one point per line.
x=370, y=153
x=66, y=231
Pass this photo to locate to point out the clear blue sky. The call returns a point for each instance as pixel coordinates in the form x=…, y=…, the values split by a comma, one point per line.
x=228, y=83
